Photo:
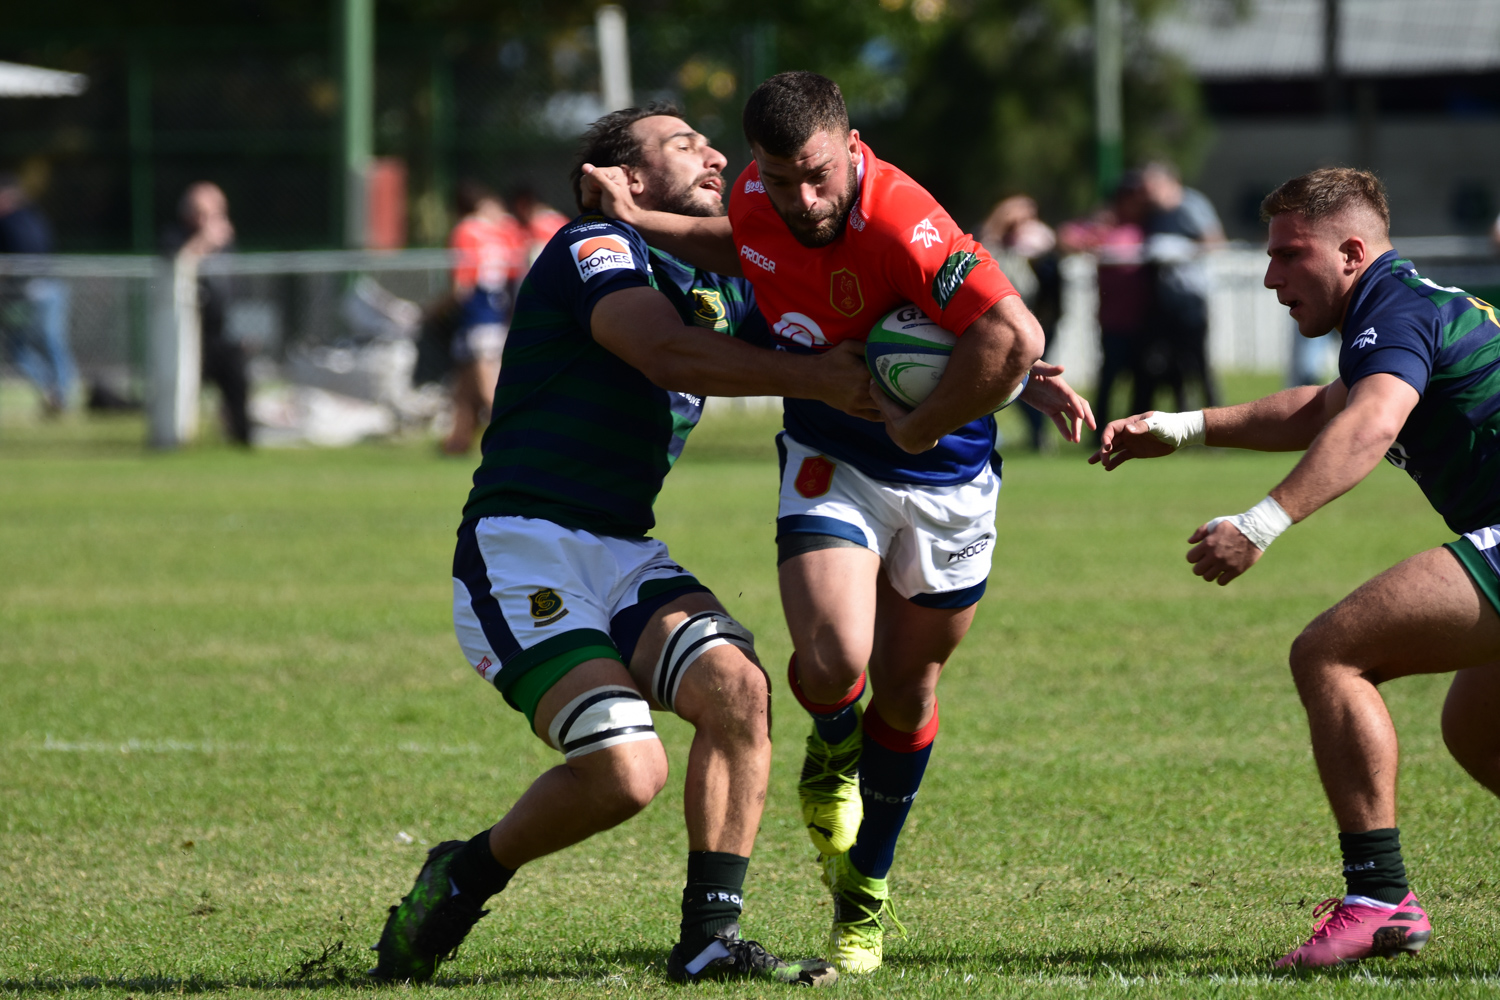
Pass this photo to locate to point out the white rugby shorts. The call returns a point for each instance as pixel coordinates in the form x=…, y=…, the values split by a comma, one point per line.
x=526, y=591
x=936, y=541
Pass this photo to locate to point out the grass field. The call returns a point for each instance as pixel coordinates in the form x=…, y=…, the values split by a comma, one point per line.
x=235, y=715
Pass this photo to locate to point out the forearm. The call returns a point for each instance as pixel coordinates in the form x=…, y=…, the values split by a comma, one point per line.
x=708, y=365
x=1340, y=457
x=984, y=369
x=1285, y=421
x=702, y=242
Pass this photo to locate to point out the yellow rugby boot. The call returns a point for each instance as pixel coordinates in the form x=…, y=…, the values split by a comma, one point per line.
x=829, y=790
x=861, y=908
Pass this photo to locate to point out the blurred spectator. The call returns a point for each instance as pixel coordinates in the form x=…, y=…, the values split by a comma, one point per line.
x=539, y=220
x=1181, y=225
x=34, y=311
x=1116, y=236
x=203, y=228
x=490, y=247
x=1024, y=246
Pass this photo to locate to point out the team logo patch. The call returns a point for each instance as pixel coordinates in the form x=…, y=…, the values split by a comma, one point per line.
x=814, y=477
x=857, y=218
x=950, y=277
x=1365, y=339
x=844, y=293
x=598, y=254
x=547, y=607
x=801, y=329
x=926, y=234
x=708, y=309
x=754, y=187
x=483, y=665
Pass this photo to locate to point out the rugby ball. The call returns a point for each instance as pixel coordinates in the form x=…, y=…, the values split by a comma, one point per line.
x=907, y=354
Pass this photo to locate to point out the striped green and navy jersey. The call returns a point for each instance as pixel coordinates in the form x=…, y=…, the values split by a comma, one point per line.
x=577, y=436
x=1445, y=343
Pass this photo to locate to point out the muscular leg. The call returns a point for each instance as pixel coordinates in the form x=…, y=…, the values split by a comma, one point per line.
x=1469, y=723
x=911, y=645
x=1422, y=616
x=828, y=597
x=725, y=696
x=584, y=796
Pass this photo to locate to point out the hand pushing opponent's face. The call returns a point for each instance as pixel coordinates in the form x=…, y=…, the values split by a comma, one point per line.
x=679, y=172
x=1316, y=264
x=813, y=189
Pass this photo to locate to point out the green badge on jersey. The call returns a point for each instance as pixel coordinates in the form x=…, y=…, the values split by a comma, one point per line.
x=951, y=277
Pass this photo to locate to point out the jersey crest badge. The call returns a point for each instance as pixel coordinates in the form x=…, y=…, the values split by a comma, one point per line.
x=950, y=278
x=598, y=254
x=547, y=607
x=814, y=477
x=708, y=309
x=926, y=234
x=1365, y=339
x=843, y=292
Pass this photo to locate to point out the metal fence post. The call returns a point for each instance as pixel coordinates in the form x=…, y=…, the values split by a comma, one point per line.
x=175, y=354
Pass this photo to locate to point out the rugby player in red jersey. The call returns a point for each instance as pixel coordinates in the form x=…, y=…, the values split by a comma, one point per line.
x=885, y=530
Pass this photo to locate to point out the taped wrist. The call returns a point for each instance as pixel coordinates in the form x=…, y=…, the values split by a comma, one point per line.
x=1177, y=429
x=1261, y=523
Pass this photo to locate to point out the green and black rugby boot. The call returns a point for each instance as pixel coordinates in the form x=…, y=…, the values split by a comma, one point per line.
x=429, y=924
x=829, y=790
x=861, y=908
x=728, y=956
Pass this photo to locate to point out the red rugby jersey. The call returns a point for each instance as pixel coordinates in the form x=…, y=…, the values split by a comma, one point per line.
x=899, y=246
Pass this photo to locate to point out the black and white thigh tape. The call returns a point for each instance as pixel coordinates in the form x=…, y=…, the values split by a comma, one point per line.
x=604, y=717
x=693, y=637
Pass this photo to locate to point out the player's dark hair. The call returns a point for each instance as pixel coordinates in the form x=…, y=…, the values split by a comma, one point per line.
x=469, y=193
x=609, y=142
x=1327, y=192
x=790, y=108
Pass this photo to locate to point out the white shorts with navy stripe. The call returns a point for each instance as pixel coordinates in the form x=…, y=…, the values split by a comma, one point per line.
x=527, y=590
x=936, y=541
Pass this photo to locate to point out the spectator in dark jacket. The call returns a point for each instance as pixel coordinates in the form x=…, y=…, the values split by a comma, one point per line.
x=34, y=310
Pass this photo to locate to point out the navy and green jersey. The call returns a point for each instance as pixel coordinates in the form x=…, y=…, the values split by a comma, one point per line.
x=577, y=436
x=1445, y=343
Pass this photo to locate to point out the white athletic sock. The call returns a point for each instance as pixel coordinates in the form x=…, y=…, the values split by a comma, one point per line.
x=715, y=949
x=1368, y=901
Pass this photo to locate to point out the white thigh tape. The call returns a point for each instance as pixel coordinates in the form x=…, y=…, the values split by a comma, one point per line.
x=603, y=717
x=695, y=636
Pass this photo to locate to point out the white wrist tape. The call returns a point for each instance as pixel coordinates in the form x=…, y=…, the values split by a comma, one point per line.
x=1177, y=429
x=1261, y=523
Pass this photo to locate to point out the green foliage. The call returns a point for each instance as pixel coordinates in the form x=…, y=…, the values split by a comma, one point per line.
x=1003, y=102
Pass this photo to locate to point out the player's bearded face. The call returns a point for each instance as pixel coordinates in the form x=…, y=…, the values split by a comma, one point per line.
x=699, y=196
x=822, y=224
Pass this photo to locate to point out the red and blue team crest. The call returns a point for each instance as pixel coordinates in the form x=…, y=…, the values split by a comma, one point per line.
x=843, y=292
x=814, y=477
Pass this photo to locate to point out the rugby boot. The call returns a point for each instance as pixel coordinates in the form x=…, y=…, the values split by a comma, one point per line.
x=829, y=790
x=429, y=923
x=729, y=956
x=1348, y=932
x=861, y=908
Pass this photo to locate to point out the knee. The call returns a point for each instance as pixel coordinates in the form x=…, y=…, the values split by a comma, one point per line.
x=624, y=779
x=1309, y=660
x=830, y=667
x=728, y=693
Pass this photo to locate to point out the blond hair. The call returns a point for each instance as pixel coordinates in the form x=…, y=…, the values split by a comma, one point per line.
x=1329, y=191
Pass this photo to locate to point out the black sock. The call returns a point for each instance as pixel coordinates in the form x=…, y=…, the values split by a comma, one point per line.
x=713, y=897
x=1372, y=865
x=476, y=871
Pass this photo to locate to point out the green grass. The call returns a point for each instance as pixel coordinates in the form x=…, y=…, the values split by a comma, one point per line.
x=230, y=684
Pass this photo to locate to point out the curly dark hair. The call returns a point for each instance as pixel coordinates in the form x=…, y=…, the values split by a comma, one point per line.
x=609, y=142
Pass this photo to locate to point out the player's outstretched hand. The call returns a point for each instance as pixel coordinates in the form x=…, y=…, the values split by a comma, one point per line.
x=1128, y=438
x=1220, y=552
x=608, y=189
x=848, y=380
x=1048, y=393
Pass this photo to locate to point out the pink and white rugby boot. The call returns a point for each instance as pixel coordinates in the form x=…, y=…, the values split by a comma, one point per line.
x=1348, y=932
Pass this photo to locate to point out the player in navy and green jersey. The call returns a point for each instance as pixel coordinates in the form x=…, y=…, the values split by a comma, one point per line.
x=561, y=601
x=1419, y=384
x=578, y=435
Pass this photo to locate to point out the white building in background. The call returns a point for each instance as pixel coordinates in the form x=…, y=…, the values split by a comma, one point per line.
x=1411, y=91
